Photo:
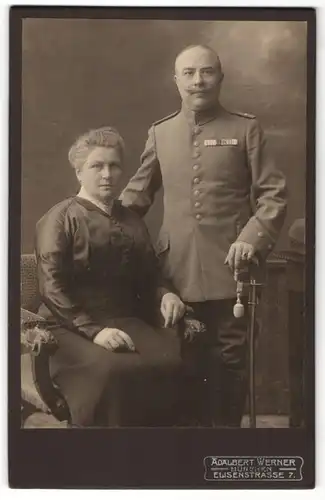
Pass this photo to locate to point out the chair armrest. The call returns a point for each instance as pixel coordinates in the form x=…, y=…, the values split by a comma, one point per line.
x=41, y=345
x=33, y=328
x=34, y=334
x=190, y=328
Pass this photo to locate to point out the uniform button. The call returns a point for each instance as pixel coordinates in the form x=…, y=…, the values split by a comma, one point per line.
x=197, y=130
x=196, y=192
x=197, y=204
x=196, y=154
x=260, y=234
x=196, y=167
x=270, y=246
x=198, y=216
x=196, y=143
x=196, y=180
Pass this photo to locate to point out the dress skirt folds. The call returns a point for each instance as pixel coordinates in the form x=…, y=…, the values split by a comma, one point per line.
x=119, y=389
x=97, y=271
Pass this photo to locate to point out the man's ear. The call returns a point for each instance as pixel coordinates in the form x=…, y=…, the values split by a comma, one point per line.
x=175, y=79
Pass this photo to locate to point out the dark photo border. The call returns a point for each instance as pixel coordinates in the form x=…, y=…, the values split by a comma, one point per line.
x=147, y=458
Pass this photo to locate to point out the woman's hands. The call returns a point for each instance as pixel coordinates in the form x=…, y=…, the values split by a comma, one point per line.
x=114, y=339
x=172, y=309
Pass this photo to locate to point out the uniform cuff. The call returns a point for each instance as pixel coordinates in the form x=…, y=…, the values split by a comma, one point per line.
x=256, y=235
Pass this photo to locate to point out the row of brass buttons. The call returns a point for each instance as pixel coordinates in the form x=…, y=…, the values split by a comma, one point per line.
x=196, y=166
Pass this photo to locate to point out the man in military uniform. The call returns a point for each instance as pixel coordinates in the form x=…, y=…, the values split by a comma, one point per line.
x=224, y=204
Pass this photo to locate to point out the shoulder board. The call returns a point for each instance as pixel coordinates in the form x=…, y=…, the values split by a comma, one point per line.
x=166, y=118
x=244, y=115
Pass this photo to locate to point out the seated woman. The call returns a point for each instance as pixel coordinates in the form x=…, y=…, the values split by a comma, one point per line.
x=98, y=276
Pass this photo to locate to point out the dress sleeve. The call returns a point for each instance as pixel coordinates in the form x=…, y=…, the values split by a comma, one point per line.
x=152, y=285
x=53, y=253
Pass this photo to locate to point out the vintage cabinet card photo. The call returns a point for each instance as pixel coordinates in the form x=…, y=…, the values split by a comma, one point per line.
x=161, y=248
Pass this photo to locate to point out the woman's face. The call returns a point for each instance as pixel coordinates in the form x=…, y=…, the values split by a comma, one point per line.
x=101, y=173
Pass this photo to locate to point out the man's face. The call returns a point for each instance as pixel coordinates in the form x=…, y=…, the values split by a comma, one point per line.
x=198, y=78
x=101, y=173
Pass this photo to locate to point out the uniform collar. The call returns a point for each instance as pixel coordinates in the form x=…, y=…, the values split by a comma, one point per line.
x=202, y=117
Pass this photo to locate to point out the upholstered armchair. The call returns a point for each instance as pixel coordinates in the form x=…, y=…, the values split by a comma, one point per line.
x=38, y=393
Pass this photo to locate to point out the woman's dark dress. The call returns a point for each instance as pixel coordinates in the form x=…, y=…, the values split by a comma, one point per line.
x=98, y=271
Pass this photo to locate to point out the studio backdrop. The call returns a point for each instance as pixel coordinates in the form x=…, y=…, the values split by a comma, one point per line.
x=79, y=74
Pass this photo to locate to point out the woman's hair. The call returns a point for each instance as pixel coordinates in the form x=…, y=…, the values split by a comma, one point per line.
x=107, y=137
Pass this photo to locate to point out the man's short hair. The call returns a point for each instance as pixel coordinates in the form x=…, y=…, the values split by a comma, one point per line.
x=203, y=46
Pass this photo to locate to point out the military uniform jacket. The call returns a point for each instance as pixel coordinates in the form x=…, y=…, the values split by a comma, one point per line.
x=220, y=185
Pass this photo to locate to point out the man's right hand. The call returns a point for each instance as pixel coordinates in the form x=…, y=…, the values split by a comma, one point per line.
x=114, y=339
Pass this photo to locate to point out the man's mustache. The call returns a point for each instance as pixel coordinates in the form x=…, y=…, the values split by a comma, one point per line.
x=198, y=91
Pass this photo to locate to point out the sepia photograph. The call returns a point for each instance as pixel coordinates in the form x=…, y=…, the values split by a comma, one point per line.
x=163, y=224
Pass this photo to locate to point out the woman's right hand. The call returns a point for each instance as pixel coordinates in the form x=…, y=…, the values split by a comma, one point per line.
x=114, y=339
